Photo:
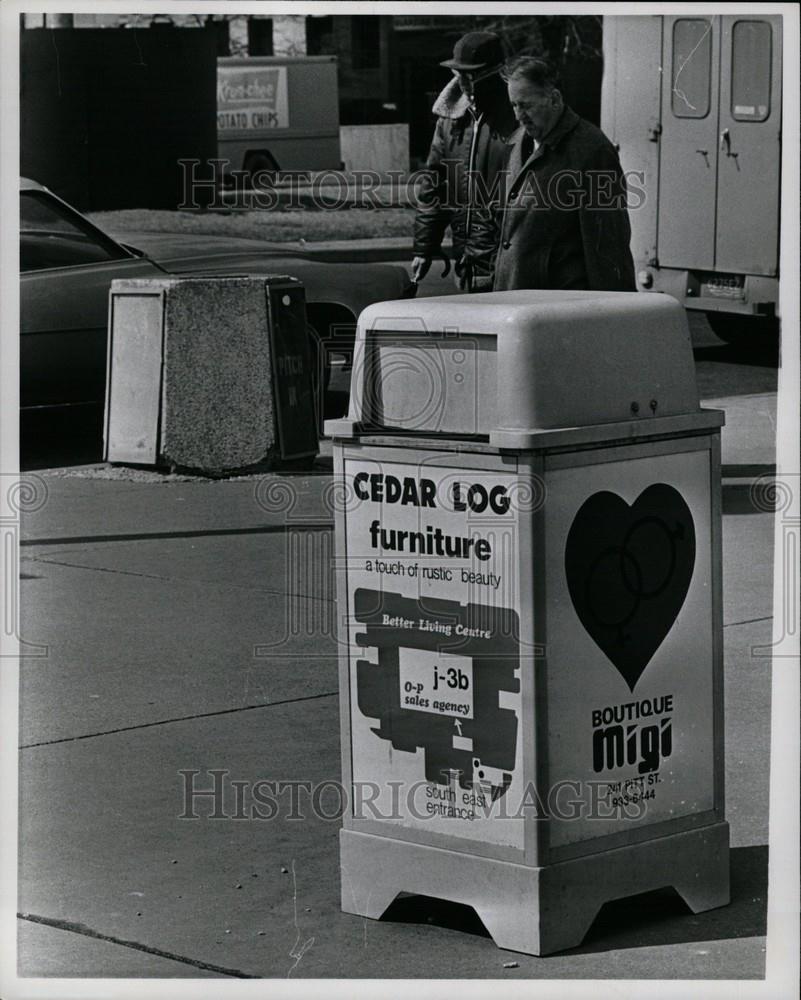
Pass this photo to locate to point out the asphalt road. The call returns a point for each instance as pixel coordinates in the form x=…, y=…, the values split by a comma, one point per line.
x=56, y=439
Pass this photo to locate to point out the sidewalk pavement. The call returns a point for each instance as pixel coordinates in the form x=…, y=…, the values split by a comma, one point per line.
x=189, y=626
x=747, y=441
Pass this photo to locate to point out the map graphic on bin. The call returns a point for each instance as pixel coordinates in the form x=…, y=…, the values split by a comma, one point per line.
x=438, y=684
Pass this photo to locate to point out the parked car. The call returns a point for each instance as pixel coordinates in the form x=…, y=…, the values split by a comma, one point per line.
x=67, y=265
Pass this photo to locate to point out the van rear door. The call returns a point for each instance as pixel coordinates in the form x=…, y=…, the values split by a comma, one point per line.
x=689, y=142
x=749, y=152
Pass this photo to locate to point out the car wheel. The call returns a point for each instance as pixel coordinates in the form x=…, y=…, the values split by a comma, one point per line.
x=320, y=359
x=261, y=166
x=320, y=371
x=743, y=331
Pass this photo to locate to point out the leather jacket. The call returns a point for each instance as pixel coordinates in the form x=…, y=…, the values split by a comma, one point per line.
x=461, y=188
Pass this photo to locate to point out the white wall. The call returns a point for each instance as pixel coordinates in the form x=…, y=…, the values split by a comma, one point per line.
x=375, y=147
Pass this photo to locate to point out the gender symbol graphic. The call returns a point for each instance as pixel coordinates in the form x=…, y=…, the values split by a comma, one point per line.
x=628, y=571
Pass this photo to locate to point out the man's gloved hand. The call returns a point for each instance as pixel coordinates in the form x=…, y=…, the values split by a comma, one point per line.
x=462, y=275
x=421, y=266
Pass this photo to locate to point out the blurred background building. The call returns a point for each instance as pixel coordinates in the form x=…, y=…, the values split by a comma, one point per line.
x=388, y=64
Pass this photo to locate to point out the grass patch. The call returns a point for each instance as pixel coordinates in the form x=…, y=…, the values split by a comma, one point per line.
x=277, y=226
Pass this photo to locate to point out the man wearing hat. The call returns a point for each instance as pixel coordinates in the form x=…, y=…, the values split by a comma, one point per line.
x=461, y=186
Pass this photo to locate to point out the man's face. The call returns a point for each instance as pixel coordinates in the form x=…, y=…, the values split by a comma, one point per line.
x=536, y=108
x=465, y=82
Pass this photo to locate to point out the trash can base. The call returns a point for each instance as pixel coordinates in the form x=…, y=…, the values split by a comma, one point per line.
x=536, y=911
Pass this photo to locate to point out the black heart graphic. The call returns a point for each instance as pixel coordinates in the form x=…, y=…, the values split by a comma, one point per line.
x=628, y=570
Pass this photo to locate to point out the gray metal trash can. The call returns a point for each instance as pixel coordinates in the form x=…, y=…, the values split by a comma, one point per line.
x=529, y=591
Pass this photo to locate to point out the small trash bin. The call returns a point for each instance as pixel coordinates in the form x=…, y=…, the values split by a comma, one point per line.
x=529, y=586
x=209, y=373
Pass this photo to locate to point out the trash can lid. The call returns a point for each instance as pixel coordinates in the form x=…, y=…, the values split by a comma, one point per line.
x=511, y=365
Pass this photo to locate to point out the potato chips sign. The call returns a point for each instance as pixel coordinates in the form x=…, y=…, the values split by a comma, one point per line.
x=252, y=98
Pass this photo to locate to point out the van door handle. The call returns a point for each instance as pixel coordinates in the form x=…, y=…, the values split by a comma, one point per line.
x=705, y=154
x=725, y=146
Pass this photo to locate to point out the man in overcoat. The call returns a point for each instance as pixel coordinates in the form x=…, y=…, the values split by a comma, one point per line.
x=565, y=223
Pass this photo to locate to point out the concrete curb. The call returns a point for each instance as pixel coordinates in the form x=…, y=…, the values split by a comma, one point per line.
x=391, y=248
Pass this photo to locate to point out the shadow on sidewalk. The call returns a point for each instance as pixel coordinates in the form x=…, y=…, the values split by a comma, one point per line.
x=67, y=436
x=651, y=919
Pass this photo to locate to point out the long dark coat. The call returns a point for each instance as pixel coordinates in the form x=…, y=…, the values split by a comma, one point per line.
x=565, y=223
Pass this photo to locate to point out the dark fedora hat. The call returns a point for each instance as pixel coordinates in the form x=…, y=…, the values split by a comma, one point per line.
x=476, y=50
